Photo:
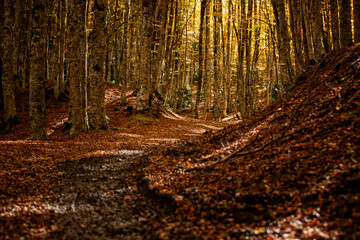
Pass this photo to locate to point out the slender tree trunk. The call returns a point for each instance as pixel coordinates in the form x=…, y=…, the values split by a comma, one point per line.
x=256, y=56
x=295, y=25
x=168, y=52
x=143, y=100
x=97, y=112
x=345, y=23
x=124, y=59
x=77, y=58
x=335, y=24
x=217, y=55
x=9, y=33
x=319, y=46
x=356, y=8
x=59, y=87
x=246, y=112
x=160, y=40
x=38, y=72
x=240, y=88
x=308, y=30
x=201, y=56
x=286, y=72
x=207, y=62
x=1, y=56
x=117, y=45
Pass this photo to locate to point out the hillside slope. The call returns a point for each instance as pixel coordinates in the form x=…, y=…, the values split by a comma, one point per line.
x=291, y=170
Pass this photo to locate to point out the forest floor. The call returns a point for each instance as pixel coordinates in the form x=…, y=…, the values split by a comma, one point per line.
x=291, y=171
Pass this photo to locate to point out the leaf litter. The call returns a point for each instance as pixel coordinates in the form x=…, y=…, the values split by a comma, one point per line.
x=291, y=171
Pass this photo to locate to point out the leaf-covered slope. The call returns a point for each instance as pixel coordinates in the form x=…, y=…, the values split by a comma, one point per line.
x=295, y=172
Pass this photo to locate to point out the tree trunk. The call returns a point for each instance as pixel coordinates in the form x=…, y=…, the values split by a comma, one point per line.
x=201, y=56
x=207, y=62
x=217, y=55
x=124, y=65
x=335, y=24
x=77, y=60
x=295, y=25
x=9, y=65
x=345, y=23
x=1, y=56
x=286, y=72
x=59, y=87
x=160, y=40
x=97, y=113
x=319, y=46
x=241, y=39
x=356, y=8
x=38, y=72
x=143, y=100
x=308, y=32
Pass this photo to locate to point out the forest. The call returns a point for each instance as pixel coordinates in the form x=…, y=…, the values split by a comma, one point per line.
x=174, y=119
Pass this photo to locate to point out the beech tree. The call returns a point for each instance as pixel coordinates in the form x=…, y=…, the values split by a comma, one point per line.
x=9, y=64
x=210, y=56
x=201, y=57
x=38, y=71
x=345, y=23
x=59, y=86
x=147, y=13
x=97, y=113
x=356, y=13
x=286, y=71
x=335, y=24
x=78, y=70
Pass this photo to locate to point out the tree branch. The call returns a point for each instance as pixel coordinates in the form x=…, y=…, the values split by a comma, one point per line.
x=238, y=152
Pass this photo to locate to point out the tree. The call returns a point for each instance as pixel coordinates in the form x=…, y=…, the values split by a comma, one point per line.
x=38, y=72
x=317, y=30
x=78, y=62
x=356, y=7
x=201, y=57
x=217, y=68
x=59, y=87
x=124, y=63
x=97, y=113
x=147, y=11
x=1, y=55
x=286, y=72
x=9, y=64
x=207, y=61
x=345, y=23
x=335, y=24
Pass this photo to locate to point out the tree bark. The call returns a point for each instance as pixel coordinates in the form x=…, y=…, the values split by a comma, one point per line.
x=124, y=65
x=9, y=33
x=217, y=55
x=59, y=87
x=296, y=25
x=335, y=24
x=77, y=60
x=345, y=23
x=143, y=100
x=97, y=111
x=201, y=56
x=286, y=72
x=207, y=62
x=38, y=72
x=319, y=46
x=356, y=8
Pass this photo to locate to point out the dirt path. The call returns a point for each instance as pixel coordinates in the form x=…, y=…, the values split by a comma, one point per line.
x=90, y=186
x=100, y=200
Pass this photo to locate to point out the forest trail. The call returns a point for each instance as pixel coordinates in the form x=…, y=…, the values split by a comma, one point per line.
x=84, y=186
x=290, y=171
